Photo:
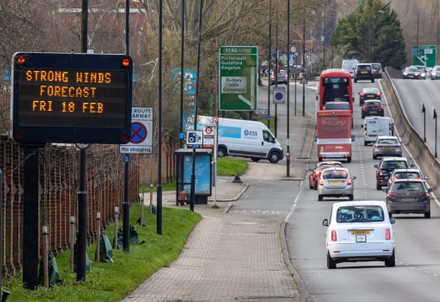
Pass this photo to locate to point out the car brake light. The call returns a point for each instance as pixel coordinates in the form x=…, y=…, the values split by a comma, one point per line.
x=362, y=94
x=392, y=179
x=423, y=194
x=349, y=181
x=388, y=234
x=391, y=195
x=334, y=237
x=378, y=94
x=321, y=182
x=364, y=107
x=380, y=107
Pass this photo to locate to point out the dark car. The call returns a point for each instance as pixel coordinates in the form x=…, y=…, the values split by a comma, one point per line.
x=409, y=196
x=369, y=94
x=386, y=166
x=372, y=108
x=377, y=70
x=315, y=173
x=282, y=77
x=423, y=71
x=411, y=73
x=387, y=146
x=363, y=71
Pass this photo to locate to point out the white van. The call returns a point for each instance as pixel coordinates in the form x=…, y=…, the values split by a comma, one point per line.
x=350, y=65
x=245, y=138
x=375, y=126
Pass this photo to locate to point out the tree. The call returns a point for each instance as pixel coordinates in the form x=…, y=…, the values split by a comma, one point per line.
x=371, y=33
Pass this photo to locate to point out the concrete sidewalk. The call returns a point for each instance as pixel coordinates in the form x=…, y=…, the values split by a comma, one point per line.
x=230, y=257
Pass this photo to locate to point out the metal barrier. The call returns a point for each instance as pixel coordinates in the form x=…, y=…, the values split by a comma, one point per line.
x=426, y=160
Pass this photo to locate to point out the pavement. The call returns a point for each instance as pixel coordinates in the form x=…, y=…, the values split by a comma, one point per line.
x=230, y=257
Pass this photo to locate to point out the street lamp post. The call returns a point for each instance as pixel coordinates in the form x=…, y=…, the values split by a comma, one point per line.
x=268, y=63
x=434, y=116
x=424, y=122
x=288, y=94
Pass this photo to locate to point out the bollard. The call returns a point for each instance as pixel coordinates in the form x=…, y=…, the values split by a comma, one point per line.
x=98, y=237
x=45, y=255
x=115, y=240
x=72, y=243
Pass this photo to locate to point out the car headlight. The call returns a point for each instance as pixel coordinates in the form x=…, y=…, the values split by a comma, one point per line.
x=405, y=73
x=422, y=74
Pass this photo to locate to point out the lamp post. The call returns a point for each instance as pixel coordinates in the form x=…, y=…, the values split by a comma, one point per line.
x=288, y=94
x=304, y=62
x=424, y=122
x=268, y=62
x=434, y=116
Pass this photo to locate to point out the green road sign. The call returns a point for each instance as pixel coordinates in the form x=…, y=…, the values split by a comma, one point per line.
x=424, y=55
x=238, y=76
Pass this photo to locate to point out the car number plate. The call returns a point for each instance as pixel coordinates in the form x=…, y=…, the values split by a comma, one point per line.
x=373, y=111
x=335, y=182
x=364, y=72
x=361, y=238
x=408, y=199
x=388, y=148
x=360, y=232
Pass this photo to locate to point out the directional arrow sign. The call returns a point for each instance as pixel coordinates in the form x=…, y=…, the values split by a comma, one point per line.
x=238, y=77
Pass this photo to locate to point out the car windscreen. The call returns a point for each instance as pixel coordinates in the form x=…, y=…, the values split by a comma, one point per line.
x=335, y=174
x=403, y=175
x=387, y=141
x=367, y=213
x=338, y=106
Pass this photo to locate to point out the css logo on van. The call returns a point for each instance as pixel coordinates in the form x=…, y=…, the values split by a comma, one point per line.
x=250, y=133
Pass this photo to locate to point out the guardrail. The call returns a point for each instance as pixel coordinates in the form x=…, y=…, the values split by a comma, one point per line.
x=426, y=160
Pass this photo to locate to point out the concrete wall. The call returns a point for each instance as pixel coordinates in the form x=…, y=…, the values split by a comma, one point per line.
x=429, y=165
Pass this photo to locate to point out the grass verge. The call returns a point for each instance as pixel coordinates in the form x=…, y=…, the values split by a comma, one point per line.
x=113, y=281
x=226, y=166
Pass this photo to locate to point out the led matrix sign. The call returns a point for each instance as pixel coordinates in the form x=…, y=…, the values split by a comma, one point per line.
x=71, y=98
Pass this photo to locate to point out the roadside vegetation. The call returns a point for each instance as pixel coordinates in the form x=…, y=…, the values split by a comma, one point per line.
x=113, y=281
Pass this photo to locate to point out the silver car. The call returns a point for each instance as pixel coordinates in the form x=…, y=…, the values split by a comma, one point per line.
x=336, y=182
x=387, y=146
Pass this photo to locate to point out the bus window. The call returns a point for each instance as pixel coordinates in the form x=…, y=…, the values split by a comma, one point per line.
x=335, y=86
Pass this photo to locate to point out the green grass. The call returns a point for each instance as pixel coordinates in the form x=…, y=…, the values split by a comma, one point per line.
x=226, y=166
x=113, y=281
x=231, y=167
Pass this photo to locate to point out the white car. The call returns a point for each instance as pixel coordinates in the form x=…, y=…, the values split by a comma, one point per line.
x=335, y=182
x=359, y=231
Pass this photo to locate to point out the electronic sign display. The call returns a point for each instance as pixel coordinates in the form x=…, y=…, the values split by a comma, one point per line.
x=71, y=98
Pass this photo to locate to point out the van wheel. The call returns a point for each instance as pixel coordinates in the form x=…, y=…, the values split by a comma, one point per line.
x=428, y=214
x=365, y=143
x=274, y=157
x=221, y=152
x=348, y=159
x=320, y=197
x=255, y=159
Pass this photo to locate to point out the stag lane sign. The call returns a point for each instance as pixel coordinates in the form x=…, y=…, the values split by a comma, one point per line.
x=71, y=98
x=238, y=76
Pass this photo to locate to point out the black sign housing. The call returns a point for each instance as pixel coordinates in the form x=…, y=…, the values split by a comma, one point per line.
x=71, y=98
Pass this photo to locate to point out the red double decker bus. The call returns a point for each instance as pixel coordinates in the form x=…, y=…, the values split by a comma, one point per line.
x=335, y=85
